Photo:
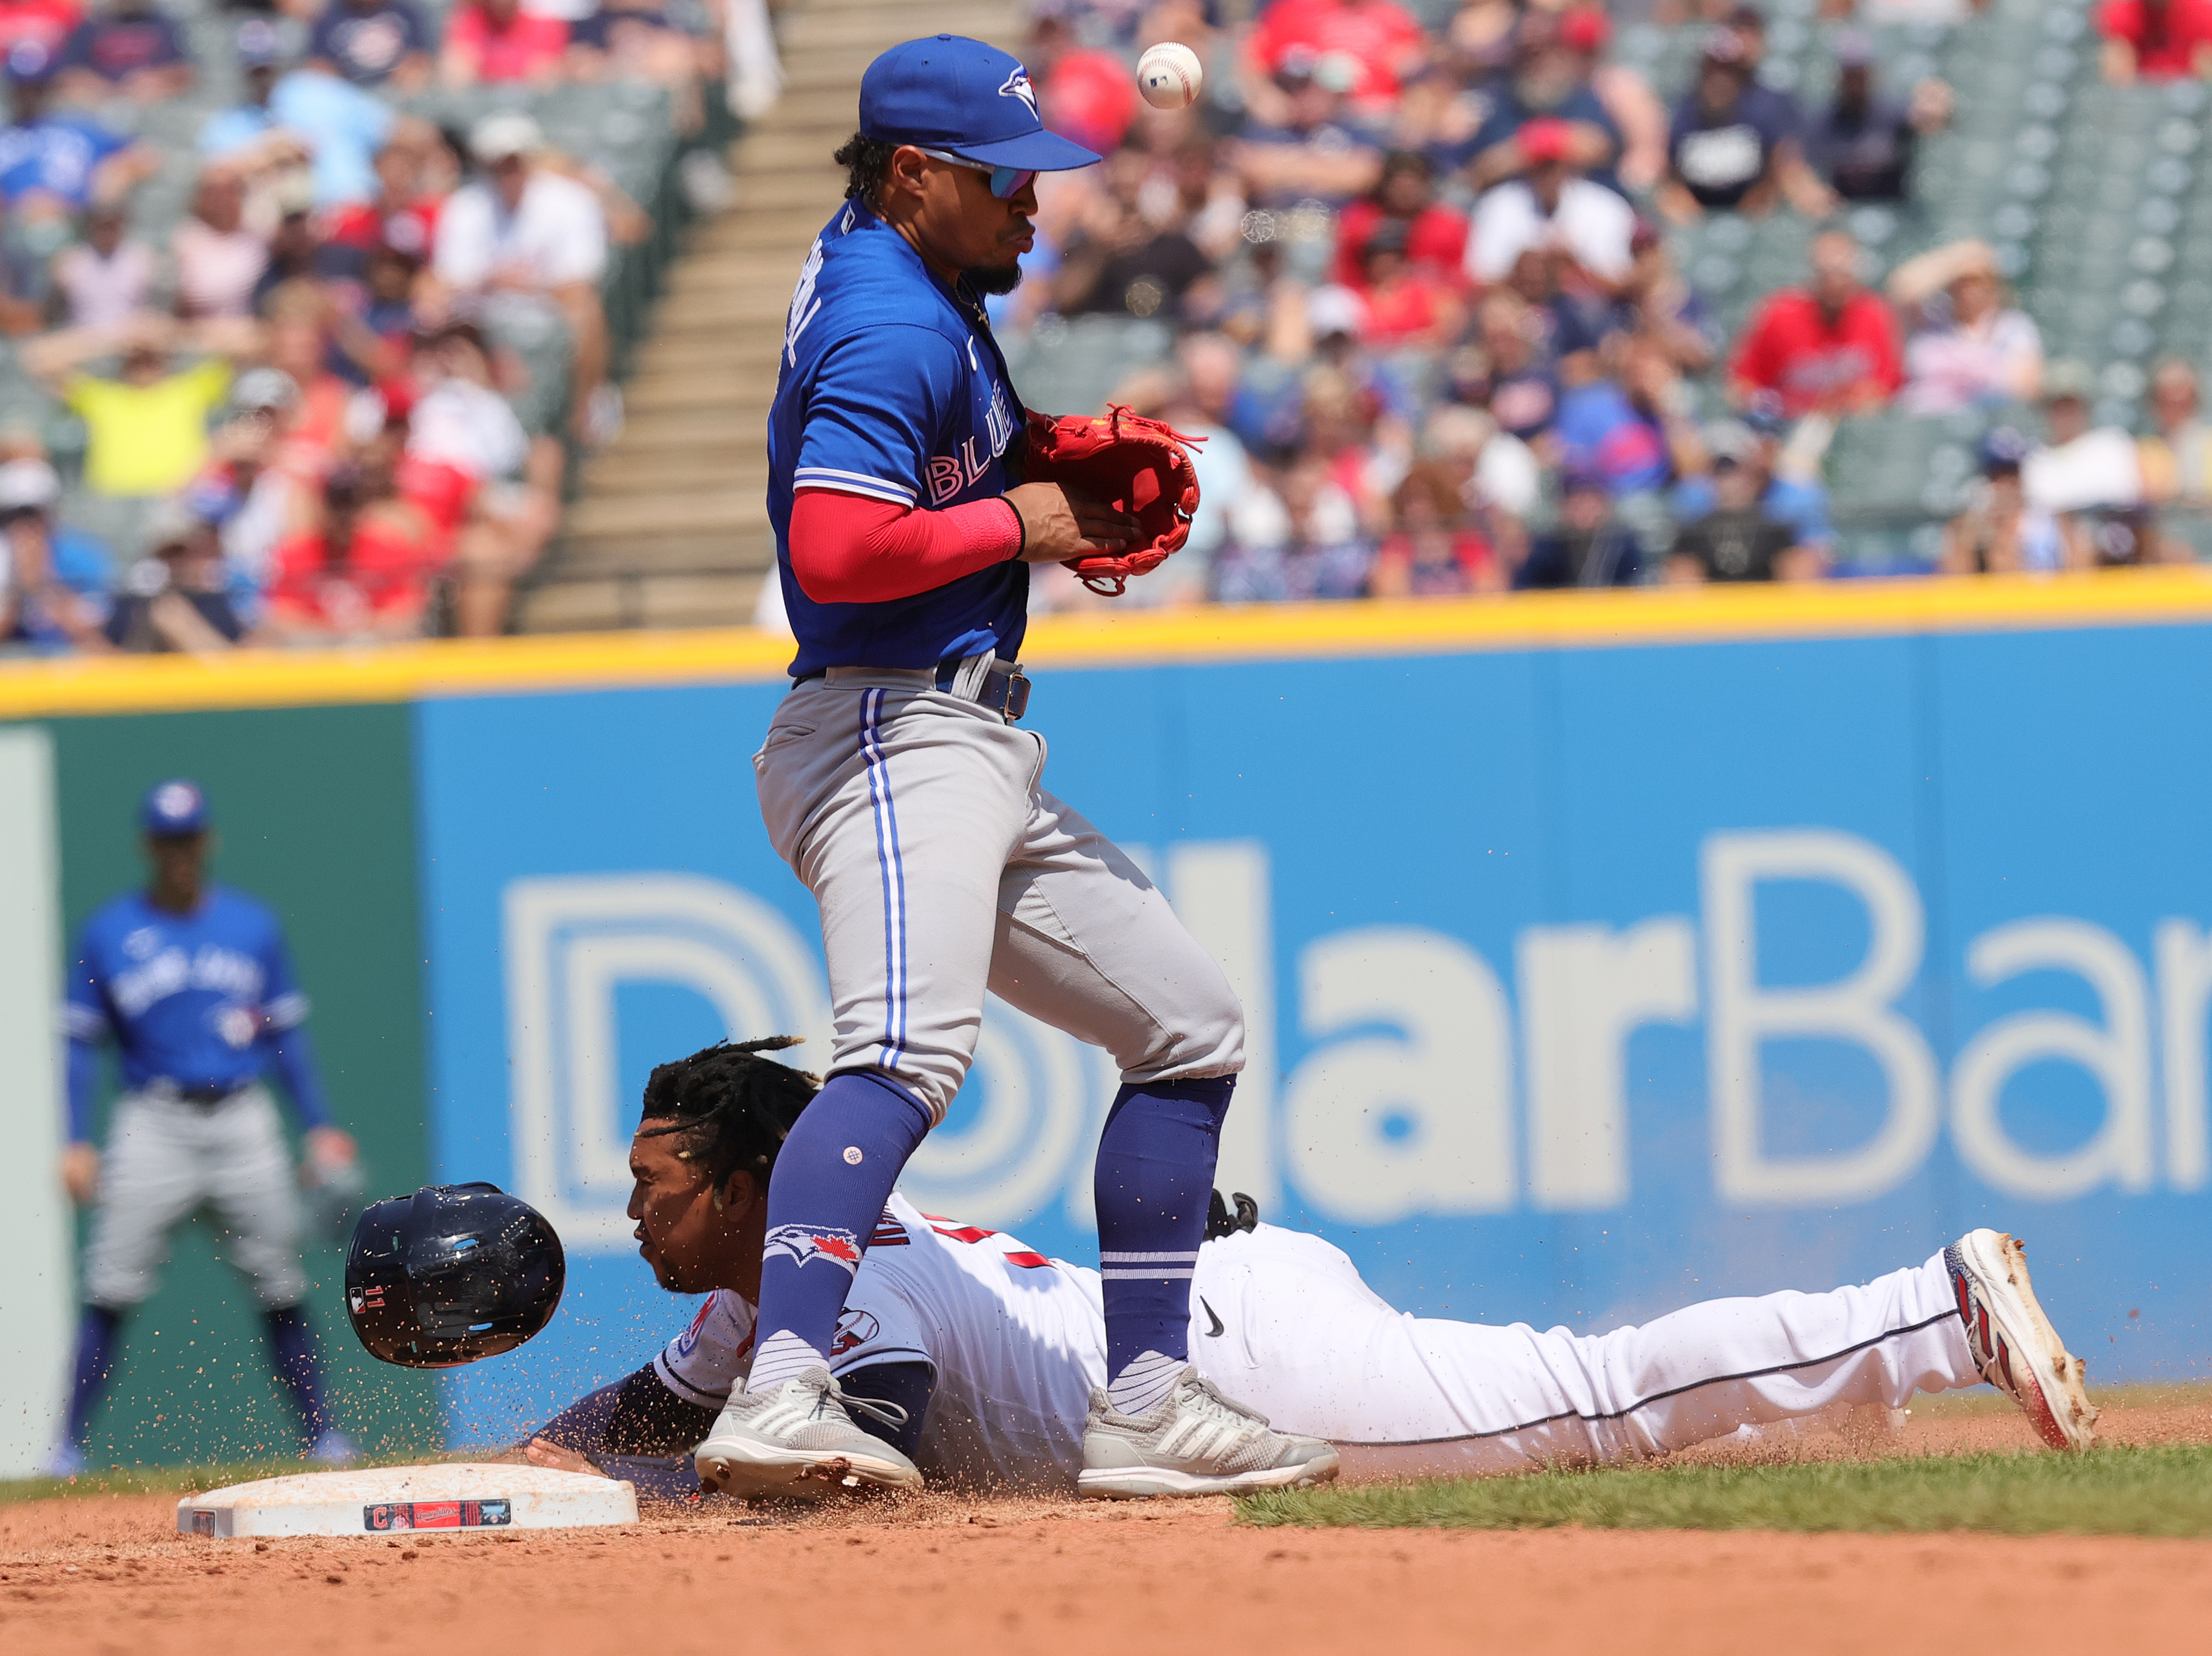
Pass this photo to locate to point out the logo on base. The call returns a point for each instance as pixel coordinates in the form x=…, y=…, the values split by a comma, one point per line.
x=438, y=1516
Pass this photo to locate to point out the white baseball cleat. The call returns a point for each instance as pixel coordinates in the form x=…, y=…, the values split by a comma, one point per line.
x=2013, y=1343
x=797, y=1439
x=1194, y=1441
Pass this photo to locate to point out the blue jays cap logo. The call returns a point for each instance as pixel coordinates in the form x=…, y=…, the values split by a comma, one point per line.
x=950, y=93
x=803, y=1244
x=174, y=807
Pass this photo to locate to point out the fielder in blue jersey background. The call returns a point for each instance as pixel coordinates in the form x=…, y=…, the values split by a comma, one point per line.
x=191, y=981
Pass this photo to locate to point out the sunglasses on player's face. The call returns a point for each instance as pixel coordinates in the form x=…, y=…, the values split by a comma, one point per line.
x=1006, y=182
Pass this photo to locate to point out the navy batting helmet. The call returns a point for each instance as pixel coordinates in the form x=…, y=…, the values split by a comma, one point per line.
x=450, y=1274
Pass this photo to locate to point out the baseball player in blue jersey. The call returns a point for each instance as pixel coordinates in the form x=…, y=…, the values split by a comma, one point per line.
x=897, y=783
x=191, y=982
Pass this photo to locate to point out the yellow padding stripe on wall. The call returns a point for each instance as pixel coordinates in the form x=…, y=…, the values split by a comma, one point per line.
x=30, y=688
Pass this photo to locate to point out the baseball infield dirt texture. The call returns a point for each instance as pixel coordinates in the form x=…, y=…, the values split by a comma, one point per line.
x=108, y=1575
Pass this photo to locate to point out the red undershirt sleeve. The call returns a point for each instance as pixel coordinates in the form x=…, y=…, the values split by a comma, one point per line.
x=846, y=548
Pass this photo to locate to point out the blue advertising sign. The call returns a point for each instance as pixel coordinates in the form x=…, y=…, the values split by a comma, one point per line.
x=1581, y=982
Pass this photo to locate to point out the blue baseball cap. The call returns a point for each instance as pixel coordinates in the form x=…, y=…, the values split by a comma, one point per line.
x=950, y=92
x=174, y=807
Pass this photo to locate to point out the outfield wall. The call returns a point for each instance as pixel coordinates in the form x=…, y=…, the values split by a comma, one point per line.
x=1599, y=954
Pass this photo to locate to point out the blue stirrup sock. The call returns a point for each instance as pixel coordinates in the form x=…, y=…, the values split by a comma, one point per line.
x=292, y=1354
x=95, y=1359
x=832, y=1177
x=1154, y=1179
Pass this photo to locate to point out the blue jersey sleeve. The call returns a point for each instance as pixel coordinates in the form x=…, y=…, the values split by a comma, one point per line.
x=283, y=1011
x=86, y=1022
x=878, y=411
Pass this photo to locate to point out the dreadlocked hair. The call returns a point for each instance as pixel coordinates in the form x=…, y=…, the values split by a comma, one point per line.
x=865, y=160
x=730, y=1107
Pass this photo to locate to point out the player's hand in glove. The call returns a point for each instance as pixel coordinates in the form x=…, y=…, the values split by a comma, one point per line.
x=1058, y=524
x=1138, y=468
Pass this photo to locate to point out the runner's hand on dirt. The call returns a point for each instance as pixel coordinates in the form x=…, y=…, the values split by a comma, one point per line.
x=1057, y=526
x=540, y=1452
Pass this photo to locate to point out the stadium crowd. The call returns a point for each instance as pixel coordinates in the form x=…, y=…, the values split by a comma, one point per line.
x=1415, y=270
x=294, y=408
x=1411, y=271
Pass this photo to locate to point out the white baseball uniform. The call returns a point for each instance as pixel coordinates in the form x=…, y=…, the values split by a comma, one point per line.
x=1281, y=1319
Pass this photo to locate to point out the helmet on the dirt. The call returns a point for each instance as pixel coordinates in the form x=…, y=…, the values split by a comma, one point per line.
x=450, y=1274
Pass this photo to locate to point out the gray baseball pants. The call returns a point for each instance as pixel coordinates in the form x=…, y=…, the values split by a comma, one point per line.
x=943, y=869
x=165, y=1159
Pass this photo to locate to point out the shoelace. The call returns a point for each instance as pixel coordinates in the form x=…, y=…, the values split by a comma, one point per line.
x=1220, y=1404
x=875, y=1408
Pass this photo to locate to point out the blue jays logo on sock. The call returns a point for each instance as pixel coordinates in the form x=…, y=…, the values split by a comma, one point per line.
x=803, y=1244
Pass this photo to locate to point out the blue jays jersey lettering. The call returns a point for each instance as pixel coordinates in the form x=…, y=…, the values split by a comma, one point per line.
x=186, y=997
x=891, y=387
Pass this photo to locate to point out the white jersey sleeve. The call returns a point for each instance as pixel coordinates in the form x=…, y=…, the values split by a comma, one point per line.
x=710, y=1359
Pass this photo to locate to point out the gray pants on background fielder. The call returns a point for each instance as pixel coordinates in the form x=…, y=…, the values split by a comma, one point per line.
x=943, y=869
x=166, y=1158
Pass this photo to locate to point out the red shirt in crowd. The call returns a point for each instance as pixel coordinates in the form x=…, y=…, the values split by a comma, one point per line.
x=1091, y=97
x=1410, y=309
x=1436, y=241
x=529, y=45
x=49, y=22
x=1379, y=35
x=1793, y=350
x=386, y=572
x=2165, y=37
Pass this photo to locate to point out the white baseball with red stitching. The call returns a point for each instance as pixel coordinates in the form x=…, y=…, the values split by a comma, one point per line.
x=1168, y=76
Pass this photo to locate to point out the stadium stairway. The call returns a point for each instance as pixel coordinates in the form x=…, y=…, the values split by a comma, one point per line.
x=671, y=528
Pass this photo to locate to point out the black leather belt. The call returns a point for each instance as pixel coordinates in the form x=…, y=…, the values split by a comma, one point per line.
x=207, y=1096
x=1005, y=691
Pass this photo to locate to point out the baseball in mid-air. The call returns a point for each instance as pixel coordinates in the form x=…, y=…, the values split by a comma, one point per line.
x=1168, y=76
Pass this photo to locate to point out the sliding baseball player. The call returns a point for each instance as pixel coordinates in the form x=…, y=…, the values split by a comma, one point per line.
x=980, y=1359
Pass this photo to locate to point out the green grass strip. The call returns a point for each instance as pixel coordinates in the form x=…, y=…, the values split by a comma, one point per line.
x=2163, y=1491
x=148, y=1480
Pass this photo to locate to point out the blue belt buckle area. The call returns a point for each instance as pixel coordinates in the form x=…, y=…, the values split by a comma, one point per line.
x=1007, y=693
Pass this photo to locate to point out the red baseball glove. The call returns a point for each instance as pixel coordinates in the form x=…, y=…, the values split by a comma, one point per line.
x=1131, y=463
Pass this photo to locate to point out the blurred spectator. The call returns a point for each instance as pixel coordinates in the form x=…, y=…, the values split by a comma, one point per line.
x=128, y=49
x=1403, y=306
x=1551, y=208
x=639, y=40
x=53, y=578
x=1548, y=80
x=1587, y=547
x=522, y=232
x=337, y=126
x=1368, y=47
x=2156, y=39
x=2079, y=466
x=1316, y=149
x=176, y=598
x=1999, y=531
x=2176, y=460
x=479, y=477
x=1794, y=497
x=1405, y=194
x=1626, y=96
x=46, y=24
x=363, y=572
x=1433, y=550
x=1299, y=541
x=404, y=212
x=53, y=166
x=1658, y=304
x=242, y=491
x=104, y=280
x=1862, y=142
x=1631, y=431
x=1737, y=541
x=145, y=429
x=1498, y=476
x=1830, y=349
x=219, y=260
x=1087, y=94
x=1734, y=144
x=1517, y=384
x=1968, y=346
x=1119, y=261
x=373, y=43
x=490, y=41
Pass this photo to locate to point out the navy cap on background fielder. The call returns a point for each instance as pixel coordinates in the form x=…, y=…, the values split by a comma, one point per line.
x=176, y=806
x=948, y=92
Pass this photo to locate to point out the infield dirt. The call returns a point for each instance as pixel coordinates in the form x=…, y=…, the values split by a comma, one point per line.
x=108, y=1575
